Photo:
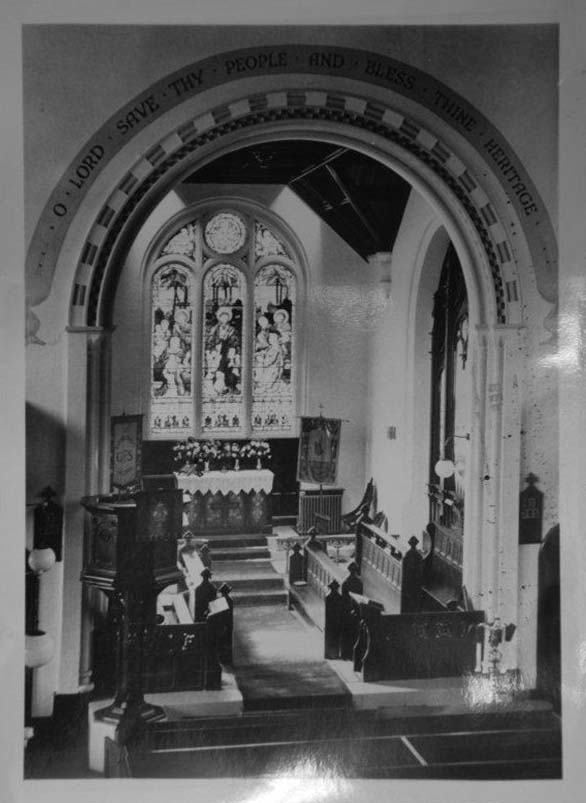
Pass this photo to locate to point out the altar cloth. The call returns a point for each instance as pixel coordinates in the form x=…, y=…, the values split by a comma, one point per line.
x=225, y=482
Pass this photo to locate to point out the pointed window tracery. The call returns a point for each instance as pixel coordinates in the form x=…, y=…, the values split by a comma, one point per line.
x=223, y=365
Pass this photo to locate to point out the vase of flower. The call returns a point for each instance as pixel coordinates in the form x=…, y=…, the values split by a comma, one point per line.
x=236, y=464
x=206, y=465
x=258, y=464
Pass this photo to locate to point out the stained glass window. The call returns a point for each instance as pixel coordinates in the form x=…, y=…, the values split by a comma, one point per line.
x=274, y=301
x=224, y=292
x=225, y=233
x=266, y=244
x=184, y=242
x=171, y=321
x=244, y=380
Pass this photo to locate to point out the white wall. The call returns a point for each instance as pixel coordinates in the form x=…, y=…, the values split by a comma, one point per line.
x=400, y=467
x=399, y=384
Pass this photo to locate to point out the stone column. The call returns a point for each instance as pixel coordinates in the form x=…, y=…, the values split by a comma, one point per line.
x=82, y=449
x=97, y=475
x=511, y=347
x=475, y=471
x=498, y=556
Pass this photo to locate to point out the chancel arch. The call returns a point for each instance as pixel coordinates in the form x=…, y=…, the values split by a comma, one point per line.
x=457, y=182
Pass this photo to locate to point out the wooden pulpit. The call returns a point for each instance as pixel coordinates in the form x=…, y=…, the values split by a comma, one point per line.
x=132, y=557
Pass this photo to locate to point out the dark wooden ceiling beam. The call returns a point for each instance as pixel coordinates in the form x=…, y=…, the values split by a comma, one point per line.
x=356, y=208
x=318, y=165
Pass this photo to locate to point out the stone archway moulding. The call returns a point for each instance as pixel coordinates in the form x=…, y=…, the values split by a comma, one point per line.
x=304, y=103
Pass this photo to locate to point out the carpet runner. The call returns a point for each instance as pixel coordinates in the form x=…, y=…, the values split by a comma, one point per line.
x=278, y=662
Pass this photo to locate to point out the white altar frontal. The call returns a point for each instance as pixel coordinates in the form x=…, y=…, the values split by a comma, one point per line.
x=227, y=501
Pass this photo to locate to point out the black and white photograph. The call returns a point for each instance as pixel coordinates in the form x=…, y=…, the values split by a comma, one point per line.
x=299, y=435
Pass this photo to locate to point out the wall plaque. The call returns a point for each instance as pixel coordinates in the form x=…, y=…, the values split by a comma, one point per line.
x=530, y=512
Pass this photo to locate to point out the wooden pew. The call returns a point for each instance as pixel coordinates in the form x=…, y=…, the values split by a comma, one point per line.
x=322, y=588
x=383, y=644
x=391, y=568
x=185, y=654
x=415, y=645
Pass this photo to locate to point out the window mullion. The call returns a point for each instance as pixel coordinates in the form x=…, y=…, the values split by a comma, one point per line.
x=248, y=332
x=198, y=333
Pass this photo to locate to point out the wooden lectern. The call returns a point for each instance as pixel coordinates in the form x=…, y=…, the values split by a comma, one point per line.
x=132, y=557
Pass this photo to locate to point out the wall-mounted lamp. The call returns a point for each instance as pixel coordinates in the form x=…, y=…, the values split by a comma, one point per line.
x=41, y=560
x=38, y=649
x=446, y=468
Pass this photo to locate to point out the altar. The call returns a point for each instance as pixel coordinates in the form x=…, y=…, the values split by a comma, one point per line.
x=220, y=502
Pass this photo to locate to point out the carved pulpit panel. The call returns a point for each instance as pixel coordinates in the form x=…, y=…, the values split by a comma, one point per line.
x=159, y=516
x=104, y=532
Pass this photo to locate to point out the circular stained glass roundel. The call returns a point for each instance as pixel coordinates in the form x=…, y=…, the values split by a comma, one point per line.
x=225, y=232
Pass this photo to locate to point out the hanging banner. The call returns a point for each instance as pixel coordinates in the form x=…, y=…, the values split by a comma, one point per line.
x=126, y=454
x=319, y=444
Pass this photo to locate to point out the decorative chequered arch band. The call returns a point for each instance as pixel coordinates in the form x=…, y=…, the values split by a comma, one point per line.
x=280, y=106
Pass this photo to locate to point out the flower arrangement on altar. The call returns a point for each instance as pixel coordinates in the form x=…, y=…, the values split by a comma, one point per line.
x=197, y=457
x=257, y=449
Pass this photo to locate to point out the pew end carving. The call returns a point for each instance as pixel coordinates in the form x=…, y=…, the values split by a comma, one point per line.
x=416, y=645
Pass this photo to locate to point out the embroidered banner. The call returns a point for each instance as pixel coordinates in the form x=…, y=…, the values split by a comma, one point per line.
x=126, y=452
x=318, y=450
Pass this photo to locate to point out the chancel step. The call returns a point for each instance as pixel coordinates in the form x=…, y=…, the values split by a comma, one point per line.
x=240, y=553
x=255, y=581
x=342, y=742
x=244, y=568
x=271, y=596
x=288, y=724
x=244, y=563
x=235, y=540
